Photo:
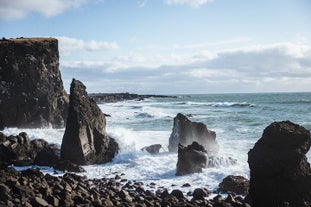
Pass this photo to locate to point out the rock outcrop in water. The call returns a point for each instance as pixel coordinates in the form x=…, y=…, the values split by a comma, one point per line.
x=280, y=174
x=191, y=159
x=85, y=140
x=185, y=132
x=32, y=93
x=152, y=149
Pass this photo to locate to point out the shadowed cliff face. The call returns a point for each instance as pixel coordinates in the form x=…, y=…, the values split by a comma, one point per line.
x=32, y=92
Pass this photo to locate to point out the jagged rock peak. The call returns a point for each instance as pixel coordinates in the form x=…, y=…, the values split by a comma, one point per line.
x=185, y=132
x=85, y=140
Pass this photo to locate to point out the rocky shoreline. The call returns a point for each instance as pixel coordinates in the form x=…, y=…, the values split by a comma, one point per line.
x=101, y=98
x=32, y=188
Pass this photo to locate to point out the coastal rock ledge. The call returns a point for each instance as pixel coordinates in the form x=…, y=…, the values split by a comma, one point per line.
x=32, y=93
x=85, y=140
x=280, y=174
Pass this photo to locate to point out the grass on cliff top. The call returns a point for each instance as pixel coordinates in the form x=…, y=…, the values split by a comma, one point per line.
x=28, y=40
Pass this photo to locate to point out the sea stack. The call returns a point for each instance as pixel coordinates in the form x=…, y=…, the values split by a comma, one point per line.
x=85, y=140
x=32, y=93
x=280, y=174
x=185, y=132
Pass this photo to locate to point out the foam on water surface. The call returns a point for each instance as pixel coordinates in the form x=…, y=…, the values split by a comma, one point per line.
x=238, y=121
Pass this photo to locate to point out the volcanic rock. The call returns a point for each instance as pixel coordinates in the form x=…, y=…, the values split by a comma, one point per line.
x=152, y=149
x=85, y=140
x=32, y=93
x=185, y=132
x=280, y=174
x=234, y=184
x=15, y=149
x=191, y=159
x=48, y=156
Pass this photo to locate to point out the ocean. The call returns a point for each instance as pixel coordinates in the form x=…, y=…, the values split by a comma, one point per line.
x=237, y=119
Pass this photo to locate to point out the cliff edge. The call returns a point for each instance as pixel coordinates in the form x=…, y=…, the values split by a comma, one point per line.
x=32, y=92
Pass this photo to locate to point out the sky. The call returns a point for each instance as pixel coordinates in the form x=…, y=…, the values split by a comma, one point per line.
x=172, y=46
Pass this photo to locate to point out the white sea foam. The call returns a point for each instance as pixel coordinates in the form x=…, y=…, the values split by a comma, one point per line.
x=136, y=124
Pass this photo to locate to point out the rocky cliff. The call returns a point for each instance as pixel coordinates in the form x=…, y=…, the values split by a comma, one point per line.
x=32, y=93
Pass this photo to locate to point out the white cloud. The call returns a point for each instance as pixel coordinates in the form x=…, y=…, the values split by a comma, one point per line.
x=17, y=9
x=68, y=45
x=192, y=3
x=271, y=67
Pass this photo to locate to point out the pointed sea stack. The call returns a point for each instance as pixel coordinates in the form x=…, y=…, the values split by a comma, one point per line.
x=85, y=140
x=185, y=132
x=280, y=174
x=32, y=93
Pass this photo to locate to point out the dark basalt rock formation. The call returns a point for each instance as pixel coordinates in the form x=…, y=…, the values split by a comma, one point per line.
x=280, y=174
x=85, y=140
x=116, y=97
x=234, y=184
x=32, y=93
x=185, y=132
x=152, y=149
x=191, y=159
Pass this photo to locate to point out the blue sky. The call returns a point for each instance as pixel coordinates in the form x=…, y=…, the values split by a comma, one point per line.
x=172, y=46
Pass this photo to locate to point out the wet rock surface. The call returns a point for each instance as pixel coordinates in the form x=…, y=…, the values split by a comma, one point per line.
x=152, y=149
x=32, y=93
x=32, y=188
x=185, y=132
x=85, y=140
x=191, y=159
x=280, y=174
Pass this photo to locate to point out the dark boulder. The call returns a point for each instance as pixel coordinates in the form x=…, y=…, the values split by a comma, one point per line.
x=200, y=193
x=234, y=184
x=185, y=132
x=152, y=149
x=191, y=159
x=280, y=174
x=37, y=145
x=68, y=166
x=85, y=140
x=15, y=149
x=32, y=93
x=48, y=156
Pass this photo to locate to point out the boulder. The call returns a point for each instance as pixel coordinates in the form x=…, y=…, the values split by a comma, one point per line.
x=68, y=166
x=152, y=149
x=280, y=174
x=234, y=184
x=48, y=156
x=32, y=93
x=191, y=159
x=15, y=149
x=85, y=140
x=185, y=132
